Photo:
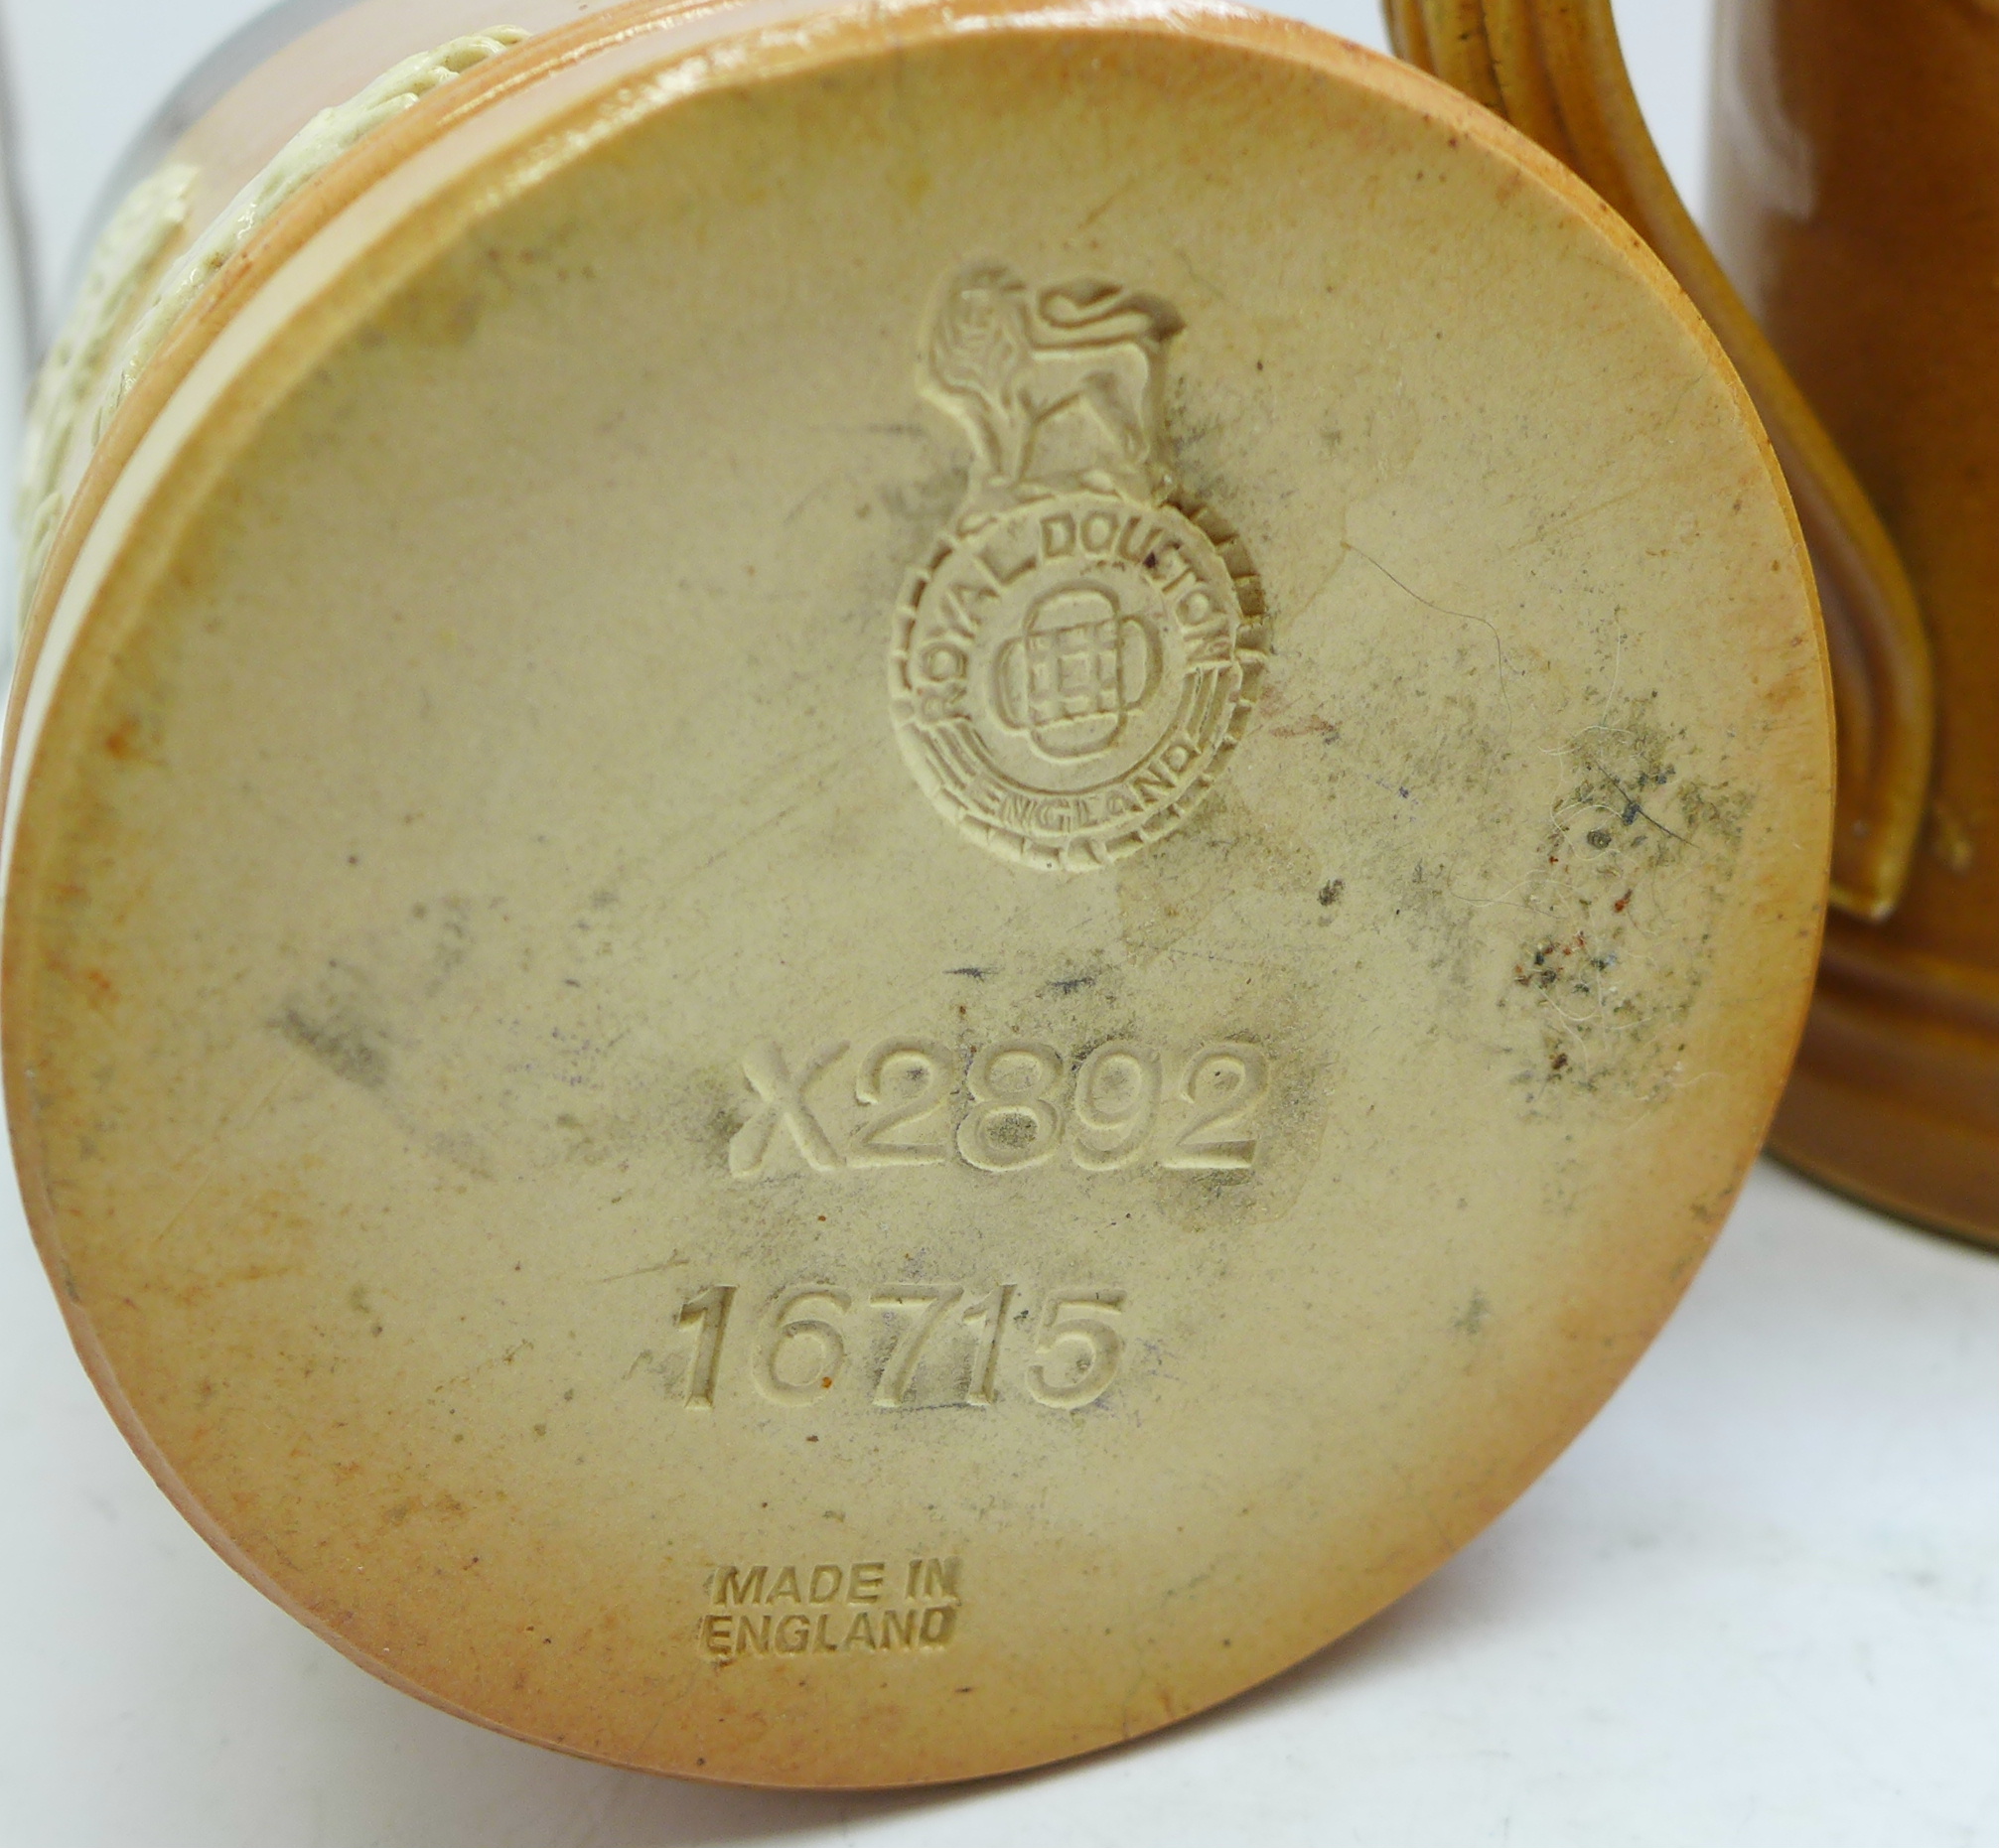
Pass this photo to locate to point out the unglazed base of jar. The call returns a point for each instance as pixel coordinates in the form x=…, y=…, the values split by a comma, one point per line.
x=881, y=887
x=1856, y=201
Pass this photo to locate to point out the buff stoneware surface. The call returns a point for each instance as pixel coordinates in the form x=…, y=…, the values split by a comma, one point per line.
x=1853, y=204
x=884, y=885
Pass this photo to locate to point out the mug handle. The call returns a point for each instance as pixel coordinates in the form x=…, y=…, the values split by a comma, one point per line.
x=1555, y=71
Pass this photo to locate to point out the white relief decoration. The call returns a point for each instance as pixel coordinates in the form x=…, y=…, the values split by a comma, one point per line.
x=135, y=291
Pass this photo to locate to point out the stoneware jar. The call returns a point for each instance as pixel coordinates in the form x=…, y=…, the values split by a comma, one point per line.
x=884, y=882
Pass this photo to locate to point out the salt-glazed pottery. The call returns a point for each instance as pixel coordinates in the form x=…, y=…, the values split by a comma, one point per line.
x=884, y=882
x=1856, y=206
x=1855, y=200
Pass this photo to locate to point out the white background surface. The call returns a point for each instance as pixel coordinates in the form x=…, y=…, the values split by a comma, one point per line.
x=1757, y=1604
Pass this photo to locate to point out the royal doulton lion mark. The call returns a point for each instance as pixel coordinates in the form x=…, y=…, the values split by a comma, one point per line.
x=1079, y=652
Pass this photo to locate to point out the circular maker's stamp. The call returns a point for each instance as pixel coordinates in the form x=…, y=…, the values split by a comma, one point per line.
x=1078, y=654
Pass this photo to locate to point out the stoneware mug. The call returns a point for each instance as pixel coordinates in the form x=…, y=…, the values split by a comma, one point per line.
x=1855, y=206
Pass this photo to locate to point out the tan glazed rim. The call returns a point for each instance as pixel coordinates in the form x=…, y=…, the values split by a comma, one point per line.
x=355, y=235
x=347, y=181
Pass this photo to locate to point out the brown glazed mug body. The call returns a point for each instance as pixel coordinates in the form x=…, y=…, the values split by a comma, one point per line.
x=1855, y=201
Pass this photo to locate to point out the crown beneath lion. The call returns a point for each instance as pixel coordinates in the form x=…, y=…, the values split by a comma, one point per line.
x=1060, y=387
